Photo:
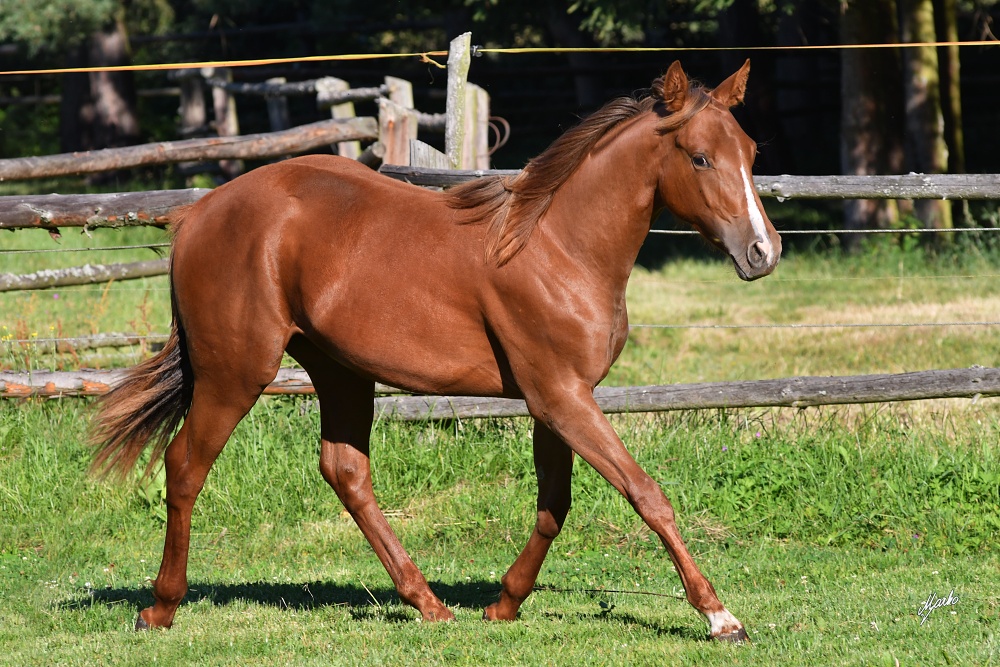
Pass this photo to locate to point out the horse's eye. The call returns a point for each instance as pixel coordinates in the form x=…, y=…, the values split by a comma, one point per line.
x=700, y=161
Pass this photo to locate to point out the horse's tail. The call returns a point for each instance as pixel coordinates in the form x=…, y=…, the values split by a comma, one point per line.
x=143, y=409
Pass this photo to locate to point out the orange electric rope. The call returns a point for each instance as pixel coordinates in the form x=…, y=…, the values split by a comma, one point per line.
x=426, y=56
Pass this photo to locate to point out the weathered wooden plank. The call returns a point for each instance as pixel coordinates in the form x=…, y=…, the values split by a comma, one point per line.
x=904, y=186
x=459, y=59
x=119, y=209
x=397, y=125
x=373, y=155
x=88, y=274
x=94, y=342
x=324, y=97
x=424, y=155
x=476, y=148
x=327, y=87
x=399, y=91
x=909, y=186
x=251, y=146
x=90, y=382
x=796, y=392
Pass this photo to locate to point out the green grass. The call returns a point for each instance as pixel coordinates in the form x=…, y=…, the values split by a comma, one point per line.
x=824, y=534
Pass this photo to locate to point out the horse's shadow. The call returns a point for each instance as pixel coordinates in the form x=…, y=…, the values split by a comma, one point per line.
x=362, y=601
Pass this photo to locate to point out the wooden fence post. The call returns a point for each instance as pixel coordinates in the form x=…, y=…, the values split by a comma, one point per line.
x=459, y=58
x=325, y=88
x=227, y=123
x=476, y=143
x=400, y=91
x=397, y=125
x=424, y=155
x=277, y=107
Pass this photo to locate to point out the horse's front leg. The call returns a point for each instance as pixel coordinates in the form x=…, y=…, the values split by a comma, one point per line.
x=554, y=468
x=579, y=422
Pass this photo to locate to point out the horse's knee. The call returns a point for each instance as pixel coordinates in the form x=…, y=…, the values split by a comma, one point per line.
x=550, y=520
x=547, y=526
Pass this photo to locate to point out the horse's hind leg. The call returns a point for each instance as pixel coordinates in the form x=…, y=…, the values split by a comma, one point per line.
x=216, y=408
x=346, y=411
x=554, y=469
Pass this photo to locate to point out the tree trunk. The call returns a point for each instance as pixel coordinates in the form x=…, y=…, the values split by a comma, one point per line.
x=946, y=27
x=871, y=109
x=76, y=109
x=926, y=150
x=116, y=121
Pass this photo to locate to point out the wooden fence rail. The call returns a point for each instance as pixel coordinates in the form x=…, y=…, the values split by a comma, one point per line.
x=121, y=209
x=795, y=392
x=74, y=344
x=88, y=274
x=151, y=208
x=251, y=146
x=906, y=186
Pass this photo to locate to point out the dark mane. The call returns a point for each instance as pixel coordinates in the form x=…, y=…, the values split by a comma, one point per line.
x=513, y=205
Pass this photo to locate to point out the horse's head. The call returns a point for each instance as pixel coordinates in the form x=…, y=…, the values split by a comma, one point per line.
x=706, y=177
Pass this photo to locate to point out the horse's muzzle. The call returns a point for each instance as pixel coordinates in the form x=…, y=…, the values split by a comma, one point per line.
x=758, y=261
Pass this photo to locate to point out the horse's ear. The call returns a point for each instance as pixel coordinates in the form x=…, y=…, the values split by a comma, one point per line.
x=672, y=87
x=730, y=92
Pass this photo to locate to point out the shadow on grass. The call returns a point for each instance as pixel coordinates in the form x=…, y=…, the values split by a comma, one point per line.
x=363, y=603
x=311, y=595
x=693, y=632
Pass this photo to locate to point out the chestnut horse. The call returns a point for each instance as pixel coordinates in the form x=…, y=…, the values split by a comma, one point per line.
x=503, y=286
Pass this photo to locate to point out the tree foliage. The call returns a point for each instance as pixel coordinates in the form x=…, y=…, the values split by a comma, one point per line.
x=56, y=26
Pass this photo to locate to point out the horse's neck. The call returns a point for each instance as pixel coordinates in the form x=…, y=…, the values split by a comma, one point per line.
x=602, y=213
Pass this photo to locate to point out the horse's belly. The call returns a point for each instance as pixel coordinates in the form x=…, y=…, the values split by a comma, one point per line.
x=421, y=345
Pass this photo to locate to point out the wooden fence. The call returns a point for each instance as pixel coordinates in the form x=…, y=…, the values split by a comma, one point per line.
x=795, y=392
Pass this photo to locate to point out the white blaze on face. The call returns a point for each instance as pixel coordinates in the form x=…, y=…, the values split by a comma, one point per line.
x=756, y=217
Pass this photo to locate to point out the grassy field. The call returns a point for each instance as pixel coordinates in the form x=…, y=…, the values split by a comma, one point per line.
x=824, y=530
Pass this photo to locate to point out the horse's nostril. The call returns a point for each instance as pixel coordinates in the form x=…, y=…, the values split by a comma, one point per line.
x=757, y=254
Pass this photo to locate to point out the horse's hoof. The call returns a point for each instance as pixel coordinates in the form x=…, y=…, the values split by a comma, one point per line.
x=141, y=624
x=738, y=636
x=444, y=614
x=493, y=613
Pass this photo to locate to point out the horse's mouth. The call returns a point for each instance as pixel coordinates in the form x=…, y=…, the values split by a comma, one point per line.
x=754, y=266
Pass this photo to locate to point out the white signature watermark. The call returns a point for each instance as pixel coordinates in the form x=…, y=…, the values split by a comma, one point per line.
x=934, y=602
